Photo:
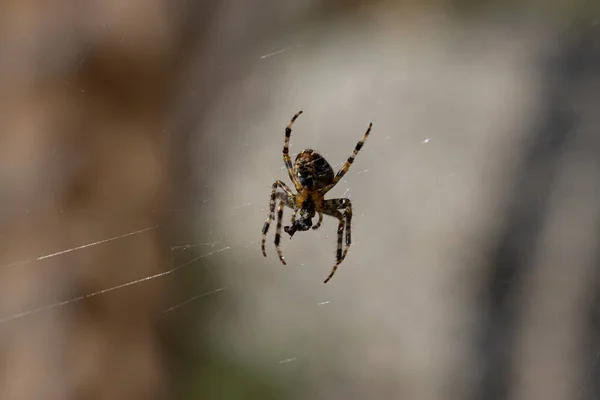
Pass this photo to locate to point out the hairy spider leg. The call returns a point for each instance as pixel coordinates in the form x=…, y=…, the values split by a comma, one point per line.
x=278, y=231
x=286, y=196
x=349, y=162
x=332, y=207
x=318, y=222
x=348, y=218
x=286, y=152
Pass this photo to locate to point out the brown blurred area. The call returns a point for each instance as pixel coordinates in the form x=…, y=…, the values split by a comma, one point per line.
x=86, y=93
x=139, y=142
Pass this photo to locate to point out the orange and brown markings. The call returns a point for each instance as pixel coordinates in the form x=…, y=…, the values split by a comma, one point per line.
x=312, y=170
x=317, y=198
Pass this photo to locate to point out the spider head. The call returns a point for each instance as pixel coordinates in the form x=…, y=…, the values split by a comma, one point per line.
x=304, y=220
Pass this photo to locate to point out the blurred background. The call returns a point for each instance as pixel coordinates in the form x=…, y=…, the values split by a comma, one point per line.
x=139, y=144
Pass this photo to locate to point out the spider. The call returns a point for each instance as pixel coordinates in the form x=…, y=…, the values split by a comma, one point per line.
x=313, y=177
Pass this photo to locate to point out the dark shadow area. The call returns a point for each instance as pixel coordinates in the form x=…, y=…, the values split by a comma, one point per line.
x=588, y=73
x=527, y=213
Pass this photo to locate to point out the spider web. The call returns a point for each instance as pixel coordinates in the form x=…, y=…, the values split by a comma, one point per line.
x=48, y=307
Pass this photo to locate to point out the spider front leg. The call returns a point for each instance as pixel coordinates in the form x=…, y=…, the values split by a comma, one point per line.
x=332, y=207
x=349, y=162
x=286, y=197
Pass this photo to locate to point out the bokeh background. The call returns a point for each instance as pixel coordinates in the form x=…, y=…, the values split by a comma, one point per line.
x=139, y=143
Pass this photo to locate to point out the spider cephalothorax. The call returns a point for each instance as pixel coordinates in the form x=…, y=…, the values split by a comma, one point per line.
x=313, y=177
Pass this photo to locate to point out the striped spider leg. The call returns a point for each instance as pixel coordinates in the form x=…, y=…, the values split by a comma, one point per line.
x=348, y=163
x=332, y=207
x=285, y=197
x=286, y=153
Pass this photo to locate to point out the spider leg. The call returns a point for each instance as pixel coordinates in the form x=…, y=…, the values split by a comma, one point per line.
x=286, y=152
x=318, y=222
x=332, y=207
x=278, y=231
x=348, y=218
x=349, y=162
x=286, y=197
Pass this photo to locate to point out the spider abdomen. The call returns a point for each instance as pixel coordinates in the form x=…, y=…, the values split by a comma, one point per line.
x=312, y=170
